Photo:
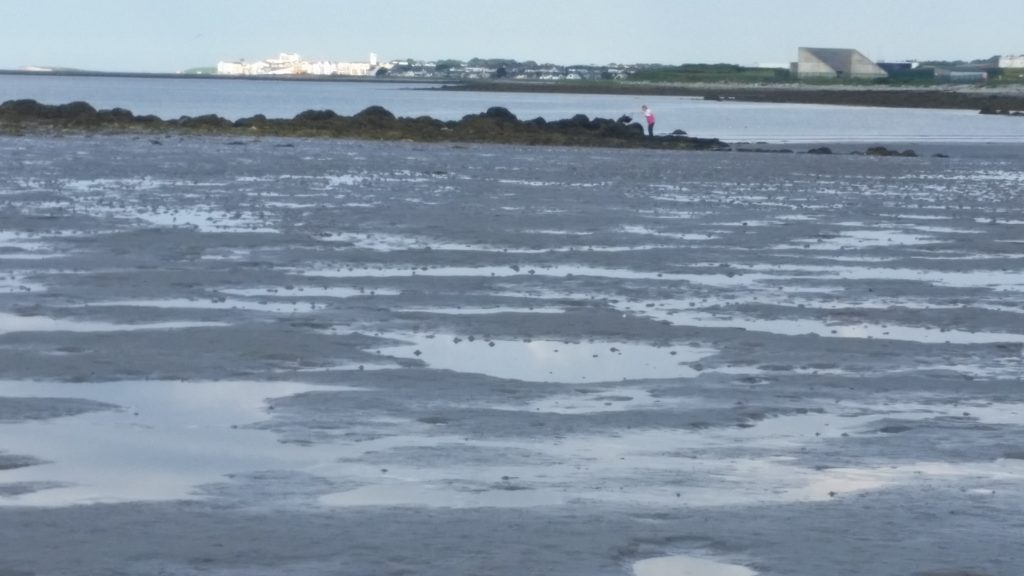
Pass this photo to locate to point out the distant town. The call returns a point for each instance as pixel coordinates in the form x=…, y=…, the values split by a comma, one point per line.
x=811, y=64
x=294, y=65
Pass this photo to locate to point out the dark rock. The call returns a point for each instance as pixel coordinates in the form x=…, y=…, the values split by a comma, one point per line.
x=883, y=151
x=820, y=150
x=315, y=116
x=256, y=121
x=24, y=109
x=205, y=122
x=579, y=121
x=499, y=113
x=376, y=114
x=76, y=112
x=115, y=115
x=30, y=110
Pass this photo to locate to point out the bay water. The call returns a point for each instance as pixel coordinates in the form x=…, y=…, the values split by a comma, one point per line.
x=731, y=121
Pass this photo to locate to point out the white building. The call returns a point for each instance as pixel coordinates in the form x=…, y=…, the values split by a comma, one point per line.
x=284, y=64
x=322, y=68
x=231, y=68
x=354, y=68
x=1012, y=61
x=292, y=64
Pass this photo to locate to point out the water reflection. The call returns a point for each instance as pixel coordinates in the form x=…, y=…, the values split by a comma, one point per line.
x=688, y=566
x=14, y=323
x=804, y=326
x=168, y=438
x=549, y=361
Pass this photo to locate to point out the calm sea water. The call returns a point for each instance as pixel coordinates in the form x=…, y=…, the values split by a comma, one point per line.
x=730, y=121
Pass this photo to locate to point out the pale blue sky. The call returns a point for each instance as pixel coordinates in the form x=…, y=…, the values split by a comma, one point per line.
x=171, y=35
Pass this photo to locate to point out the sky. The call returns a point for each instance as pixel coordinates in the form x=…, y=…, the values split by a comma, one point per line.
x=174, y=35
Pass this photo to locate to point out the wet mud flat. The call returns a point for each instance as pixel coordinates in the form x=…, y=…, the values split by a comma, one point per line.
x=1009, y=98
x=336, y=357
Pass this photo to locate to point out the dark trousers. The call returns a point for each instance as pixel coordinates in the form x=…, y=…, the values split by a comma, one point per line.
x=650, y=129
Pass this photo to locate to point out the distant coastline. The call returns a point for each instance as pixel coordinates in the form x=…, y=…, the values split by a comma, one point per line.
x=178, y=76
x=940, y=97
x=962, y=97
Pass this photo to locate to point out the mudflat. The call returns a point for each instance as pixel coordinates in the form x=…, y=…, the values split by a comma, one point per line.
x=269, y=356
x=1008, y=97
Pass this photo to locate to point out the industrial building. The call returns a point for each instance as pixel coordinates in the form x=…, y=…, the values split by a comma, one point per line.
x=829, y=63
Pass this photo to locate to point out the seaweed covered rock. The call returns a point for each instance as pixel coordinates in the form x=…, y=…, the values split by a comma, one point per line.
x=116, y=115
x=581, y=121
x=205, y=122
x=76, y=112
x=31, y=110
x=252, y=122
x=495, y=125
x=375, y=114
x=500, y=113
x=315, y=116
x=883, y=151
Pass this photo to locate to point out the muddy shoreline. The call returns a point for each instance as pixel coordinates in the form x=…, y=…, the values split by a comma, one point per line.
x=229, y=356
x=969, y=98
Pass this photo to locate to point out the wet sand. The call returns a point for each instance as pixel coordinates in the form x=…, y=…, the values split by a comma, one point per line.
x=335, y=357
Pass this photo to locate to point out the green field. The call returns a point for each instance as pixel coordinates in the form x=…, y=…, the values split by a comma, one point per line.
x=688, y=73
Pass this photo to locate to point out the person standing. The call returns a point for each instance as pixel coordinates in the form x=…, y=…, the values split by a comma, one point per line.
x=649, y=116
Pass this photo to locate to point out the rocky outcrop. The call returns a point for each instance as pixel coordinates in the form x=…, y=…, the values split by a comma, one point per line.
x=495, y=125
x=991, y=110
x=883, y=151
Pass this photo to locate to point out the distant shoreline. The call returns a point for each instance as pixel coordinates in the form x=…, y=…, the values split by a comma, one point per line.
x=220, y=77
x=882, y=96
x=960, y=97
